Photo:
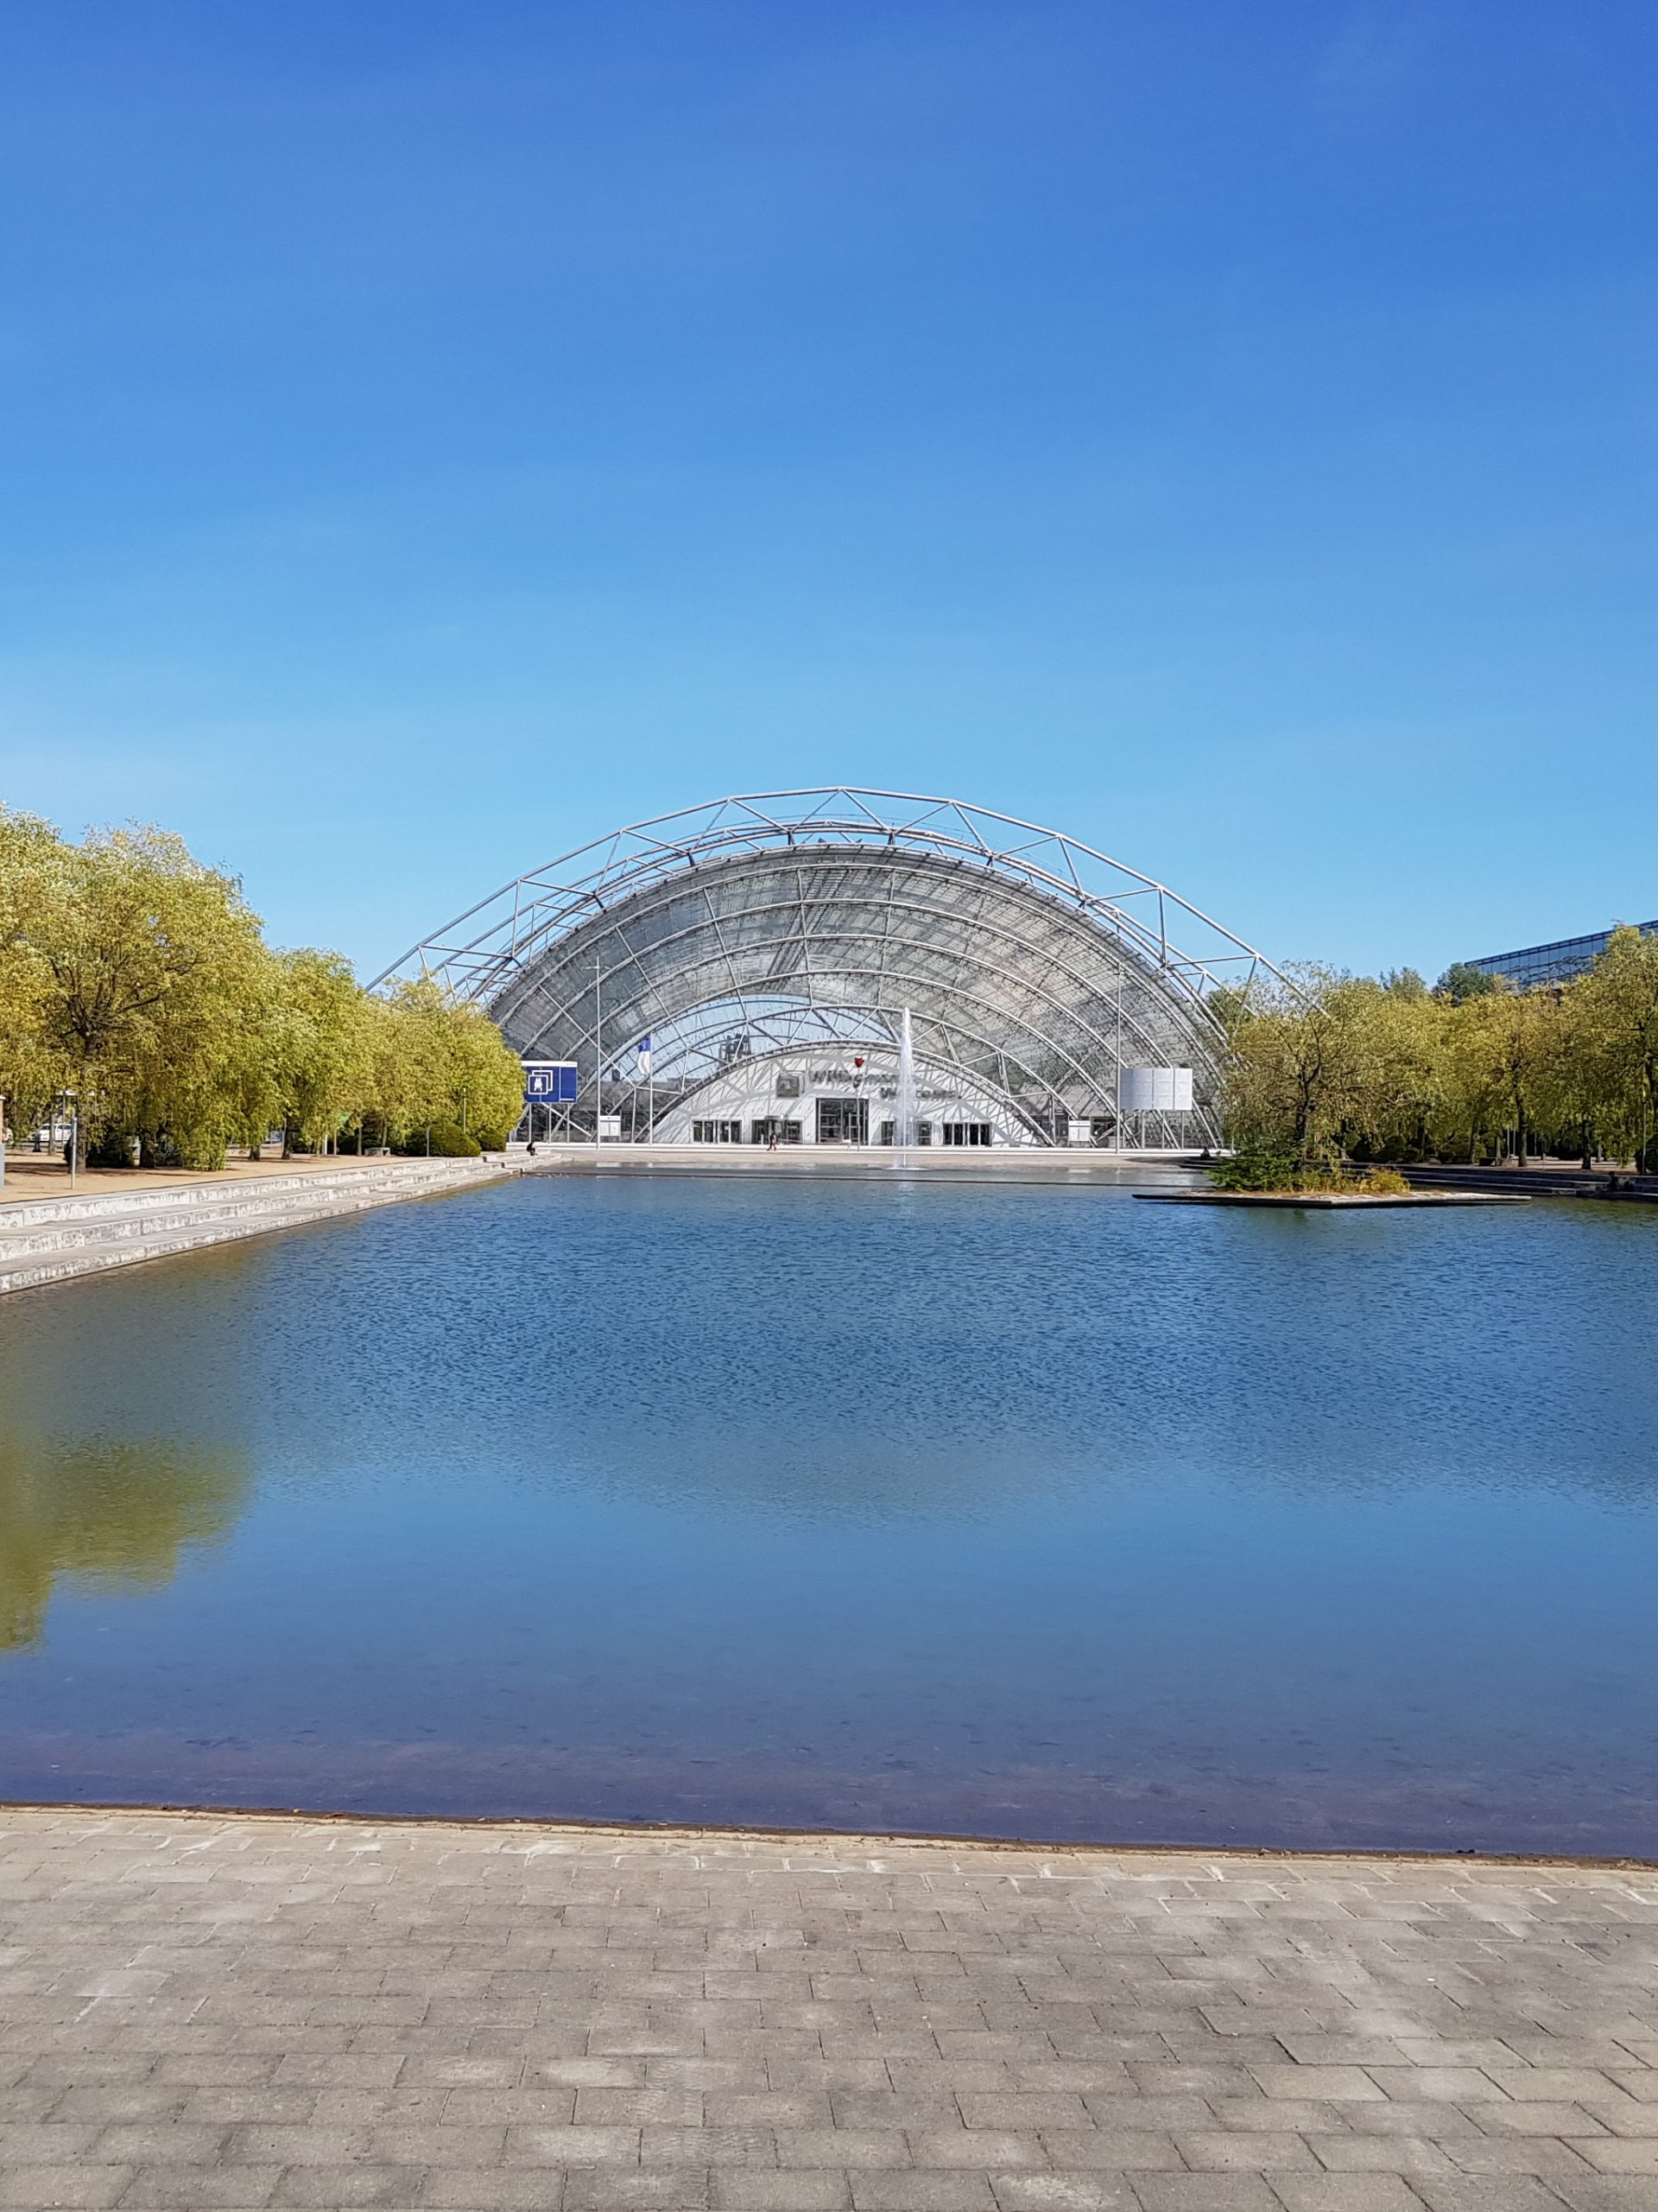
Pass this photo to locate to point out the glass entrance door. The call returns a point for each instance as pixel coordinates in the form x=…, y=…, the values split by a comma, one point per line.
x=843, y=1121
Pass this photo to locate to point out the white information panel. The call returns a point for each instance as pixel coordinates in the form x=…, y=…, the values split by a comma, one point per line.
x=1156, y=1090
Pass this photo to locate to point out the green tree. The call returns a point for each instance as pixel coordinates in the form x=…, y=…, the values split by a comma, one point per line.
x=486, y=1077
x=140, y=980
x=1515, y=1030
x=1570, y=1092
x=1298, y=1066
x=153, y=989
x=440, y=1064
x=1618, y=1004
x=1404, y=983
x=1471, y=1100
x=33, y=862
x=321, y=1047
x=1401, y=1067
x=1460, y=982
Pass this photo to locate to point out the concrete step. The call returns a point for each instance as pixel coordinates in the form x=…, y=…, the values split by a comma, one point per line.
x=211, y=1197
x=23, y=1212
x=99, y=1235
x=245, y=1204
x=250, y=1214
x=1554, y=1180
x=26, y=1271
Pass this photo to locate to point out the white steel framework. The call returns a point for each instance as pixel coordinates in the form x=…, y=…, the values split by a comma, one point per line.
x=1035, y=967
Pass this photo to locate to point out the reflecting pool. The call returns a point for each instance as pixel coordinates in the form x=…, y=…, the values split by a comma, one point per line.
x=868, y=1503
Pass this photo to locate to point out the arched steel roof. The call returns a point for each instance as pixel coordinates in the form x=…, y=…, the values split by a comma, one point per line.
x=1034, y=963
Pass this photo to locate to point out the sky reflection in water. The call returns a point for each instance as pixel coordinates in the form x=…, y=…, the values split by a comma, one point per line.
x=1018, y=1510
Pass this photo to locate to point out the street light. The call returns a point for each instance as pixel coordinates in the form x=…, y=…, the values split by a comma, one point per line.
x=74, y=1135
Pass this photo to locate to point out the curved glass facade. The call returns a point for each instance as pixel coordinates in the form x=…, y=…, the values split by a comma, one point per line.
x=758, y=943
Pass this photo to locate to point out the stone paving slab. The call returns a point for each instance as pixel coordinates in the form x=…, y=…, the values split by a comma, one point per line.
x=237, y=2011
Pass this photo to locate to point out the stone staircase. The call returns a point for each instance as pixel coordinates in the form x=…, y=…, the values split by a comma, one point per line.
x=1551, y=1179
x=53, y=1239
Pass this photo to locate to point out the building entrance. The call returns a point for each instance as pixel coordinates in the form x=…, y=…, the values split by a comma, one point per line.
x=774, y=1129
x=843, y=1121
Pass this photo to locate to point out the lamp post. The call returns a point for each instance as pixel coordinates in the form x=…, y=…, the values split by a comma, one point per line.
x=3, y=1140
x=1117, y=1095
x=74, y=1135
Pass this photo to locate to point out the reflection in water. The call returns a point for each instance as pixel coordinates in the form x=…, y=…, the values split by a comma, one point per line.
x=104, y=1517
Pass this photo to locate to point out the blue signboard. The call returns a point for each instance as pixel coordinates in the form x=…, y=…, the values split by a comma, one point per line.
x=550, y=1083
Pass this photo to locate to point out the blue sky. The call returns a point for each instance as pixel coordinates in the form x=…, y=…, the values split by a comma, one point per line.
x=432, y=434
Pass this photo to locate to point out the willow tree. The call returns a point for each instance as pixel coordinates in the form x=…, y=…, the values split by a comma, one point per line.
x=1471, y=1105
x=440, y=1064
x=1401, y=1048
x=154, y=990
x=139, y=979
x=1513, y=1034
x=1617, y=1005
x=321, y=1047
x=136, y=979
x=1299, y=1061
x=486, y=1078
x=32, y=1067
x=1572, y=1091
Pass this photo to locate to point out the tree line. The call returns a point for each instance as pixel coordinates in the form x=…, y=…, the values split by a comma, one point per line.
x=138, y=981
x=1327, y=1068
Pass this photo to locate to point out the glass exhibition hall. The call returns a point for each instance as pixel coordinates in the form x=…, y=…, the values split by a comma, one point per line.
x=842, y=967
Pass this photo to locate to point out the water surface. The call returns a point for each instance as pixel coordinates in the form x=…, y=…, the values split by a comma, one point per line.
x=1018, y=1510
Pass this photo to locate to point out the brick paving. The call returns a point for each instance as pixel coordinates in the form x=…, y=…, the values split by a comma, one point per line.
x=198, y=2011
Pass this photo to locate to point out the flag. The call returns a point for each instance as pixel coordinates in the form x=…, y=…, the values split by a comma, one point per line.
x=644, y=1059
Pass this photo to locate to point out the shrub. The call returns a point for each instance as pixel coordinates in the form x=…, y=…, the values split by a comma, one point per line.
x=1271, y=1172
x=111, y=1148
x=449, y=1141
x=1253, y=1171
x=1384, y=1182
x=1339, y=1183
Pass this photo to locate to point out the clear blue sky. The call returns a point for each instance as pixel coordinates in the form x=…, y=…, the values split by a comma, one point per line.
x=431, y=434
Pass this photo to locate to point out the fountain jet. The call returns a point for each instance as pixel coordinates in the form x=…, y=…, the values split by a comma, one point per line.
x=903, y=1102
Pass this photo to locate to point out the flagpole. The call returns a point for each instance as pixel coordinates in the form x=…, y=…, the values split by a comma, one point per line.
x=599, y=1061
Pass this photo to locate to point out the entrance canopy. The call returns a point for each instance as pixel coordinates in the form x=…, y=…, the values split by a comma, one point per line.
x=795, y=925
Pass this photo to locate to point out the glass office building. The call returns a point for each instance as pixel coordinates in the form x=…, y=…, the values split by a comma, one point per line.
x=1535, y=965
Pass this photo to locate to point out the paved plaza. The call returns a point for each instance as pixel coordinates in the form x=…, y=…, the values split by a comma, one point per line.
x=200, y=2011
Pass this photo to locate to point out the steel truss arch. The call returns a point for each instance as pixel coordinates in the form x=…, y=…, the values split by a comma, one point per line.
x=1033, y=965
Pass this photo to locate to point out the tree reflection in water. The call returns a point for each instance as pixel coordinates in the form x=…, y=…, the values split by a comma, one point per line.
x=104, y=1516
